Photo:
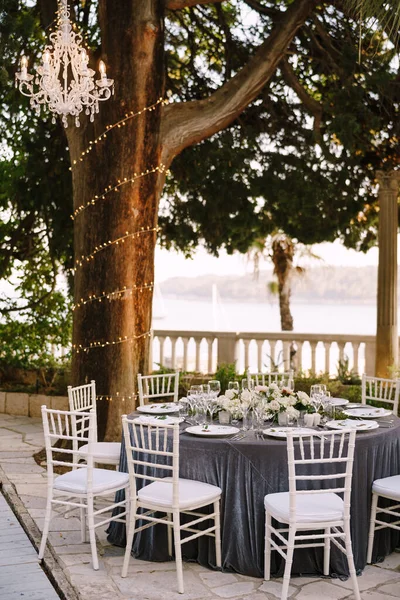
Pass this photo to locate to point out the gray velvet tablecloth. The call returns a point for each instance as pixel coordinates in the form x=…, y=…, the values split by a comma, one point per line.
x=247, y=470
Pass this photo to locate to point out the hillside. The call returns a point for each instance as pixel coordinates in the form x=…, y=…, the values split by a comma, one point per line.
x=317, y=285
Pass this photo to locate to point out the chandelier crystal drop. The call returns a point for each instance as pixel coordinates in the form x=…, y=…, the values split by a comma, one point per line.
x=64, y=81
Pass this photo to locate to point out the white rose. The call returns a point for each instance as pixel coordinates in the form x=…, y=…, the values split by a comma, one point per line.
x=274, y=405
x=292, y=412
x=291, y=400
x=230, y=394
x=246, y=396
x=304, y=398
x=261, y=388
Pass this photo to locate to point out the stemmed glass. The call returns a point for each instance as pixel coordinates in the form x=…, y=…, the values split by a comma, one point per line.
x=316, y=395
x=215, y=387
x=192, y=397
x=233, y=385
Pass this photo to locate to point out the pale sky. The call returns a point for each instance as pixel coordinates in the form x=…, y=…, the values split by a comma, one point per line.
x=171, y=264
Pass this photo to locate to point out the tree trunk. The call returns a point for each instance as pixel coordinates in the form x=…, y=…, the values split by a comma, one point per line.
x=114, y=233
x=132, y=46
x=282, y=257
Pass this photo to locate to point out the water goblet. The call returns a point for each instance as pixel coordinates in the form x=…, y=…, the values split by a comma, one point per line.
x=215, y=387
x=233, y=385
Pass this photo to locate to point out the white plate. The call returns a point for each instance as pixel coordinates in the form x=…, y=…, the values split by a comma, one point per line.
x=158, y=420
x=353, y=424
x=367, y=412
x=281, y=432
x=338, y=402
x=212, y=430
x=159, y=409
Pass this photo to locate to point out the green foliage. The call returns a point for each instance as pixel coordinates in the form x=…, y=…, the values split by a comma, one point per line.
x=345, y=374
x=225, y=373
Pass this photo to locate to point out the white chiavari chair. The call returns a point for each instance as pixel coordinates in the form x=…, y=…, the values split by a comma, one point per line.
x=380, y=390
x=320, y=468
x=389, y=488
x=158, y=387
x=277, y=377
x=83, y=399
x=153, y=459
x=82, y=484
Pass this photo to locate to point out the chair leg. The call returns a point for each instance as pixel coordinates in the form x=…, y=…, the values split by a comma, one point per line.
x=350, y=560
x=83, y=524
x=327, y=551
x=169, y=534
x=288, y=565
x=129, y=538
x=267, y=550
x=217, y=521
x=374, y=505
x=46, y=526
x=92, y=535
x=178, y=550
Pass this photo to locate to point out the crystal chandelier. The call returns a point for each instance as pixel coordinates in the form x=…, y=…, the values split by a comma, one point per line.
x=63, y=81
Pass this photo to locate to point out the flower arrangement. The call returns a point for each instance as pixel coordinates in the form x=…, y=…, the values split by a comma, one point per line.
x=277, y=400
x=231, y=401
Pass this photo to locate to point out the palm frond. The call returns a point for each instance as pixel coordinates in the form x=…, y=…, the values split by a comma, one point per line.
x=384, y=15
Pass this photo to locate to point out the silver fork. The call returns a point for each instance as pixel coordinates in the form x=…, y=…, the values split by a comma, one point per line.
x=238, y=436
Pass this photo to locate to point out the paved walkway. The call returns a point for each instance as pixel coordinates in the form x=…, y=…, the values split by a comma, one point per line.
x=24, y=484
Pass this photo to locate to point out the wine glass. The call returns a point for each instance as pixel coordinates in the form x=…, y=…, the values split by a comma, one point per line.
x=215, y=387
x=248, y=384
x=233, y=385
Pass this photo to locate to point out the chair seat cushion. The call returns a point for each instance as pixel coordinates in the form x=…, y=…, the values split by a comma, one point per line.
x=388, y=486
x=191, y=493
x=310, y=508
x=105, y=452
x=75, y=481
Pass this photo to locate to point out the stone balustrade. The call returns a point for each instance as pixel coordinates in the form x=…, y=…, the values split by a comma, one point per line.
x=202, y=351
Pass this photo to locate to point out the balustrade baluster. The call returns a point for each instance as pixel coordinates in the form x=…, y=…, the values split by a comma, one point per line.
x=210, y=355
x=327, y=347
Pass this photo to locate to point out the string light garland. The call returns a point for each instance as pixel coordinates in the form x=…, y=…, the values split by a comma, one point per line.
x=116, y=295
x=117, y=396
x=122, y=340
x=115, y=188
x=80, y=261
x=118, y=124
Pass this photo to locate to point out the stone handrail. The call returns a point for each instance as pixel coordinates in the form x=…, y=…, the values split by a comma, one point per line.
x=202, y=351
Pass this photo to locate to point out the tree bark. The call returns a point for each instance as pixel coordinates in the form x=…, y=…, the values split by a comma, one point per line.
x=132, y=44
x=111, y=336
x=282, y=257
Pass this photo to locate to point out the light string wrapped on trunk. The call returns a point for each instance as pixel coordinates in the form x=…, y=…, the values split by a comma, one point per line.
x=115, y=295
x=79, y=262
x=115, y=188
x=122, y=340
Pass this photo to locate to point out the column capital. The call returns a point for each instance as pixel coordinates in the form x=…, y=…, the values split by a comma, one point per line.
x=388, y=180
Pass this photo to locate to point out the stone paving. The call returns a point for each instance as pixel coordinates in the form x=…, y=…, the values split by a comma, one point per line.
x=24, y=485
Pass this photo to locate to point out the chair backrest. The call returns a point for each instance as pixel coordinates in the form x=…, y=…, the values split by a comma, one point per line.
x=58, y=425
x=325, y=461
x=152, y=387
x=381, y=390
x=82, y=398
x=149, y=454
x=268, y=378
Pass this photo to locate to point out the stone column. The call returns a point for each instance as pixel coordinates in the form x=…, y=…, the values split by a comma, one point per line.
x=386, y=332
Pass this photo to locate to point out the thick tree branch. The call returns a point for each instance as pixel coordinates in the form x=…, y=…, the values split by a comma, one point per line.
x=261, y=9
x=179, y=4
x=312, y=106
x=188, y=123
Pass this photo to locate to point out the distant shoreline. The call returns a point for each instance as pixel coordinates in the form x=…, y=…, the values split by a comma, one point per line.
x=273, y=301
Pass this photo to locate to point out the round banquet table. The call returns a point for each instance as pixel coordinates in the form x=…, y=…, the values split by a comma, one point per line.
x=247, y=470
